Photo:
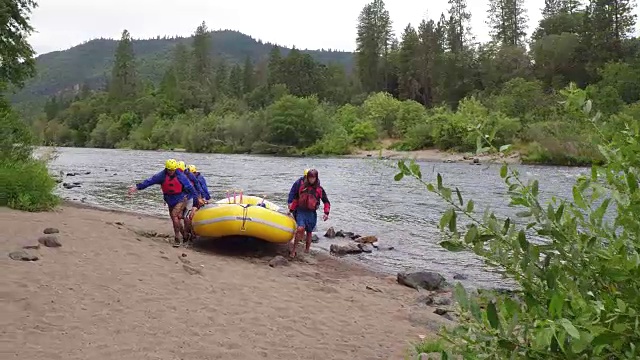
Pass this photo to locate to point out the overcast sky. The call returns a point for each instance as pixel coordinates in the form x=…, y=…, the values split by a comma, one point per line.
x=61, y=24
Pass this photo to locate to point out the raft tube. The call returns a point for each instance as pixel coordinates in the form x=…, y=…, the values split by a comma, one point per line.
x=226, y=218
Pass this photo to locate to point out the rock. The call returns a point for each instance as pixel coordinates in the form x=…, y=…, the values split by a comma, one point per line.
x=366, y=248
x=476, y=161
x=366, y=239
x=331, y=233
x=315, y=238
x=71, y=174
x=344, y=234
x=33, y=246
x=70, y=186
x=119, y=223
x=444, y=313
x=345, y=249
x=422, y=280
x=192, y=270
x=22, y=255
x=460, y=277
x=50, y=230
x=278, y=261
x=434, y=300
x=49, y=241
x=87, y=172
x=354, y=236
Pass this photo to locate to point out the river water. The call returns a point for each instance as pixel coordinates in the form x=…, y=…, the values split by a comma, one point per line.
x=364, y=197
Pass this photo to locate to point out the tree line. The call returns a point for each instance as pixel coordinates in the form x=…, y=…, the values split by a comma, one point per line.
x=423, y=90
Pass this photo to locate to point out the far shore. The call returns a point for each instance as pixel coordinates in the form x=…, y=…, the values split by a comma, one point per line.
x=436, y=155
x=117, y=289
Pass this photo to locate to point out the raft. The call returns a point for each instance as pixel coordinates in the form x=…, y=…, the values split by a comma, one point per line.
x=243, y=217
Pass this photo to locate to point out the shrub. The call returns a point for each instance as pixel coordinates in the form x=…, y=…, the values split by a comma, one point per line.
x=25, y=183
x=575, y=261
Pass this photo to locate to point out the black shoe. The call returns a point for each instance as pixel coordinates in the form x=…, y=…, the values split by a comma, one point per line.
x=177, y=242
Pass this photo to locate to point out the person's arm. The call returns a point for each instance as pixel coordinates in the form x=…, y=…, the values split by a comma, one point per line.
x=204, y=187
x=186, y=184
x=292, y=201
x=325, y=201
x=156, y=179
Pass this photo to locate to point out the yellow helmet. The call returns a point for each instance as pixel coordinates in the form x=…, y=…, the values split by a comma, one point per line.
x=181, y=165
x=306, y=171
x=171, y=164
x=192, y=169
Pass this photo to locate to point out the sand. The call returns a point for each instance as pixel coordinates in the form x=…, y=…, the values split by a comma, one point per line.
x=110, y=292
x=436, y=156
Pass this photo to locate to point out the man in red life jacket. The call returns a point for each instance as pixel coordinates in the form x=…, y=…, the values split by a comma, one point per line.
x=177, y=190
x=304, y=200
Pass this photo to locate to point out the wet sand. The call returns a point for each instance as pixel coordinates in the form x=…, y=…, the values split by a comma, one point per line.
x=114, y=290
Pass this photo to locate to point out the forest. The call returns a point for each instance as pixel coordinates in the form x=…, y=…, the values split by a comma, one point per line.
x=425, y=89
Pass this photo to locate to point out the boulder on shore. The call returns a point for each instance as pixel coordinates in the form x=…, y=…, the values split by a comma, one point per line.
x=366, y=239
x=345, y=249
x=331, y=233
x=427, y=280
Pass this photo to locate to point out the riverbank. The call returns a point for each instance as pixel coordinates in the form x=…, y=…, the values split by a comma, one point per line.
x=436, y=155
x=116, y=288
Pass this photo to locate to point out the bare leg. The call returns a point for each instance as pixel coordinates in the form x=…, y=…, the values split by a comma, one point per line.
x=297, y=239
x=178, y=230
x=307, y=245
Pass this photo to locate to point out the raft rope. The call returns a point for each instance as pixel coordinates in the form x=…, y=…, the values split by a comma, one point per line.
x=245, y=210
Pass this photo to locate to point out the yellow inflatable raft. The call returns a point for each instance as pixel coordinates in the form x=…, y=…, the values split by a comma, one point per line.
x=243, y=217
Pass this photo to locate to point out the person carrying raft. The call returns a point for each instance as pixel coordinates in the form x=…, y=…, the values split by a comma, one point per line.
x=202, y=183
x=177, y=191
x=304, y=200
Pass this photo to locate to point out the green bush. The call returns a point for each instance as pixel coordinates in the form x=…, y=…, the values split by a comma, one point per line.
x=579, y=285
x=25, y=183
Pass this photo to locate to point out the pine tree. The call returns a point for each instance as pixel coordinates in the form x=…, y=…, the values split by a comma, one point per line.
x=459, y=29
x=374, y=38
x=407, y=64
x=124, y=83
x=248, y=75
x=235, y=81
x=508, y=21
x=201, y=70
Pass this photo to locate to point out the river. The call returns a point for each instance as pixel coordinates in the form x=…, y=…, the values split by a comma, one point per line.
x=364, y=197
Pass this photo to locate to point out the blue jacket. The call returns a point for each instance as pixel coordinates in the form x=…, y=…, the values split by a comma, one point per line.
x=204, y=189
x=171, y=200
x=195, y=183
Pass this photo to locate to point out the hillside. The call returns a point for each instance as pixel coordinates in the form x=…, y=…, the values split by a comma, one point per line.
x=90, y=62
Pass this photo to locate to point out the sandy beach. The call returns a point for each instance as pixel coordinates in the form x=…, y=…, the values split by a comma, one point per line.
x=116, y=289
x=436, y=155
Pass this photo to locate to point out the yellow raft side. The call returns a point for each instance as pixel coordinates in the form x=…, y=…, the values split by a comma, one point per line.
x=219, y=220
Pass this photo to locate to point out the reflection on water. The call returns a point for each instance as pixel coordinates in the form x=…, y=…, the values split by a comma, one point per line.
x=364, y=197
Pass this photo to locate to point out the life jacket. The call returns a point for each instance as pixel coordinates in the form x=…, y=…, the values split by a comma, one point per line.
x=309, y=196
x=171, y=185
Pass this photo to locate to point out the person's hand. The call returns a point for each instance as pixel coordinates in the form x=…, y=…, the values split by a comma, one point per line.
x=201, y=201
x=325, y=217
x=132, y=190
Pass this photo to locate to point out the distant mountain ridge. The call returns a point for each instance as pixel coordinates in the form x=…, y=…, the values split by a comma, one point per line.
x=91, y=62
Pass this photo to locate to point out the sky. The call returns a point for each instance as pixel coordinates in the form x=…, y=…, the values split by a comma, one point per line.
x=330, y=24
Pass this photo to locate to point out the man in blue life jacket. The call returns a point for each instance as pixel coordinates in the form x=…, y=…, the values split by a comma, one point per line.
x=304, y=200
x=177, y=191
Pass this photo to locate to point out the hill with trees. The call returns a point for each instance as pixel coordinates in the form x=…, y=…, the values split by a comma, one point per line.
x=89, y=64
x=423, y=90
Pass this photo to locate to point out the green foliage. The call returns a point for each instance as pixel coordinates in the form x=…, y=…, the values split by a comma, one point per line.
x=575, y=260
x=25, y=183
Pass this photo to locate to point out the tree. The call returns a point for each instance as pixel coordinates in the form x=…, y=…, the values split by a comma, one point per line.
x=373, y=41
x=124, y=84
x=508, y=21
x=16, y=54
